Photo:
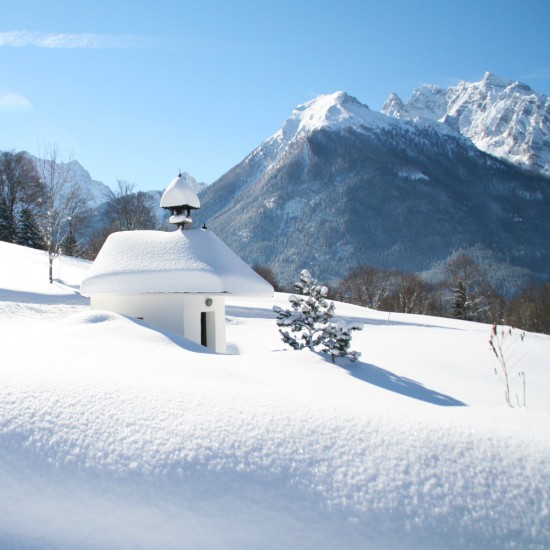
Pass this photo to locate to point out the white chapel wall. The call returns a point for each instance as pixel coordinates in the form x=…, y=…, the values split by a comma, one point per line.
x=179, y=313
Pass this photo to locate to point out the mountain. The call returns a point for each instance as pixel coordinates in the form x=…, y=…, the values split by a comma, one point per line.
x=502, y=117
x=97, y=191
x=340, y=186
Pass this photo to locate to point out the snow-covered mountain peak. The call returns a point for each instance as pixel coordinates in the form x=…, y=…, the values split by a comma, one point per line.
x=427, y=102
x=395, y=107
x=491, y=80
x=97, y=191
x=337, y=111
x=505, y=118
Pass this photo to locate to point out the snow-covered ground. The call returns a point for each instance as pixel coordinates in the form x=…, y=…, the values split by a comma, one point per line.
x=114, y=435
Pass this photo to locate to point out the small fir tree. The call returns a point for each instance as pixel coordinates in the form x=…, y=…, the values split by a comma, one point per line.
x=307, y=324
x=28, y=233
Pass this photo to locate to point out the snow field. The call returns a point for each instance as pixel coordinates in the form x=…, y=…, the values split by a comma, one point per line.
x=114, y=435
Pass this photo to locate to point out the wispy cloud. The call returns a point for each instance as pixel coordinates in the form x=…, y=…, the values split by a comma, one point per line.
x=88, y=41
x=12, y=102
x=543, y=73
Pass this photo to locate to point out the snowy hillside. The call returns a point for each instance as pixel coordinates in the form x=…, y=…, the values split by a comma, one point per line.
x=502, y=117
x=116, y=436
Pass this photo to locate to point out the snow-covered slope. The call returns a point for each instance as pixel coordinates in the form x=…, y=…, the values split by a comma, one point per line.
x=337, y=111
x=340, y=186
x=502, y=117
x=116, y=436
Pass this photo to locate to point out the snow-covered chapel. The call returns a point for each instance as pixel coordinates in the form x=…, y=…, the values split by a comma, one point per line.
x=176, y=280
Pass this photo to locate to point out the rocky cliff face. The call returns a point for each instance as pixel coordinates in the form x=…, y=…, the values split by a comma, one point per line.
x=502, y=117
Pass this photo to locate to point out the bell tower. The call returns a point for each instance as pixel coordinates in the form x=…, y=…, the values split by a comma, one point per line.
x=180, y=199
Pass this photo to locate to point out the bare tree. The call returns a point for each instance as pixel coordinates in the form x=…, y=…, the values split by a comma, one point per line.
x=366, y=286
x=530, y=309
x=64, y=200
x=267, y=273
x=409, y=294
x=128, y=210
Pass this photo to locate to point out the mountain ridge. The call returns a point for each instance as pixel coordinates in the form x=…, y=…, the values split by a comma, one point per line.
x=502, y=117
x=401, y=194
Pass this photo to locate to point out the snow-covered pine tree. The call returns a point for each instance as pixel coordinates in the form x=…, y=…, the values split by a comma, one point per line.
x=28, y=233
x=308, y=323
x=471, y=285
x=309, y=315
x=460, y=301
x=466, y=305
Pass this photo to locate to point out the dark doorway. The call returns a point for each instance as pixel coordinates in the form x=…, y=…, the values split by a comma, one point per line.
x=204, y=338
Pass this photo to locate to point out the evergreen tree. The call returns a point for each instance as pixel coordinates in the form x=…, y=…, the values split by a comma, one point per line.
x=19, y=185
x=69, y=244
x=28, y=233
x=471, y=285
x=309, y=321
x=460, y=302
x=309, y=315
x=7, y=231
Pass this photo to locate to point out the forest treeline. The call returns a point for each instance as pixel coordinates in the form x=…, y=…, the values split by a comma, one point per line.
x=464, y=292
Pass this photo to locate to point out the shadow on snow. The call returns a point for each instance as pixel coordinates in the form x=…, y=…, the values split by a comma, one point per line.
x=399, y=384
x=61, y=298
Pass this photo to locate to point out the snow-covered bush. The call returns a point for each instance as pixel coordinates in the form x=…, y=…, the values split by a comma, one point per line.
x=336, y=339
x=308, y=323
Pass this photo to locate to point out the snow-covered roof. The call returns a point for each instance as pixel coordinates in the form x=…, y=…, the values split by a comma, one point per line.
x=179, y=193
x=191, y=261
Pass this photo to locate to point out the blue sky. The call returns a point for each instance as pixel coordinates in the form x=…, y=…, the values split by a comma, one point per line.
x=138, y=90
